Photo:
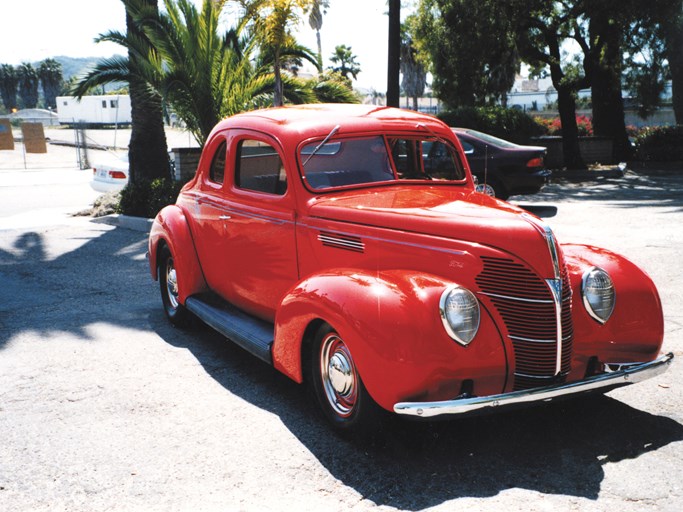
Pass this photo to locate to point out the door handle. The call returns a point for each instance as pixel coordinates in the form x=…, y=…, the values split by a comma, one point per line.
x=224, y=217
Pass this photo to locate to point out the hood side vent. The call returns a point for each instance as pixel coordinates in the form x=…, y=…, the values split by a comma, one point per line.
x=340, y=241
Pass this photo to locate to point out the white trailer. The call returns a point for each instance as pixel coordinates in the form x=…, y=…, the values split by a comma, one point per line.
x=94, y=110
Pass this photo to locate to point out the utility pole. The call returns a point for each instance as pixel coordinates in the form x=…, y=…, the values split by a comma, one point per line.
x=394, y=54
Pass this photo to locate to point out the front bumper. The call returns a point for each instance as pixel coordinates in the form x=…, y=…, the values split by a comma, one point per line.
x=623, y=376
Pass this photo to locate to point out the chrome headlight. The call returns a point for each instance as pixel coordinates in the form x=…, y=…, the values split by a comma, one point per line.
x=459, y=311
x=598, y=294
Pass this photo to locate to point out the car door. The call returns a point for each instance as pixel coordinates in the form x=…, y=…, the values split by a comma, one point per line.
x=257, y=260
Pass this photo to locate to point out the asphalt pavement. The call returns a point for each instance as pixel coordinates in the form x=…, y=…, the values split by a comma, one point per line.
x=105, y=406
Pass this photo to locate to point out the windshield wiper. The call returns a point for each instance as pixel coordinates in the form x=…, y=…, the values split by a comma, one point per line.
x=319, y=146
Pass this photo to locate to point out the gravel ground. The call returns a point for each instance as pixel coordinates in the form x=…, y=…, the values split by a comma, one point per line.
x=105, y=406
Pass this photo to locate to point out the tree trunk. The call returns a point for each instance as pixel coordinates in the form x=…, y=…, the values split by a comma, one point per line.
x=394, y=56
x=277, y=94
x=675, y=57
x=570, y=131
x=147, y=151
x=320, y=49
x=608, y=105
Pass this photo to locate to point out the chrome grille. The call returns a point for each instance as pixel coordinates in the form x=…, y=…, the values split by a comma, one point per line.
x=526, y=306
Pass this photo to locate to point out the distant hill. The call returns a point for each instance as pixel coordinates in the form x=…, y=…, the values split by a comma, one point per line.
x=76, y=66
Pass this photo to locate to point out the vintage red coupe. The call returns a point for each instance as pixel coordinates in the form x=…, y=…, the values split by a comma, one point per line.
x=322, y=240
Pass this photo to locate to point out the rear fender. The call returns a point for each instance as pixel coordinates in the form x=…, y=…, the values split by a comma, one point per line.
x=635, y=331
x=170, y=227
x=391, y=323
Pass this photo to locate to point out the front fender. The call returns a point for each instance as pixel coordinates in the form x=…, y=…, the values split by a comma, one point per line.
x=171, y=227
x=635, y=331
x=390, y=322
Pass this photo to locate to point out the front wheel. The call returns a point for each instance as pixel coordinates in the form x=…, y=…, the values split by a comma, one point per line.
x=168, y=286
x=338, y=388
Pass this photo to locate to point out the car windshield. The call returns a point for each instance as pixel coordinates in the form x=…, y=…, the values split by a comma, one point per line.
x=378, y=159
x=490, y=139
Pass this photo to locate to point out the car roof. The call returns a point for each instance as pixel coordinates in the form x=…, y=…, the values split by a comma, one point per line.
x=319, y=119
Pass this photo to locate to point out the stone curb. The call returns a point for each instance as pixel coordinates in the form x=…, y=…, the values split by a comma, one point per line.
x=141, y=224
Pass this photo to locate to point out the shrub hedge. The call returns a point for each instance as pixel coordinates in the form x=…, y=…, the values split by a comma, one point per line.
x=147, y=198
x=659, y=144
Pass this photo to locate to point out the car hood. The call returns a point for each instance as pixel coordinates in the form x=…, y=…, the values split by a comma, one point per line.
x=445, y=212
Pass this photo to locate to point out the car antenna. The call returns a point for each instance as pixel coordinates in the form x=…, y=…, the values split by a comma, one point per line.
x=317, y=148
x=486, y=165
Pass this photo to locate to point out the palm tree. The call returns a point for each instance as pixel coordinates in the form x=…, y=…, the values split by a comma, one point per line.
x=28, y=85
x=50, y=74
x=315, y=20
x=202, y=75
x=272, y=22
x=8, y=86
x=147, y=149
x=345, y=62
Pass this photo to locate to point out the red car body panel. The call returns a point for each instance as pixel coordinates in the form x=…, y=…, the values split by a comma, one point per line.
x=373, y=261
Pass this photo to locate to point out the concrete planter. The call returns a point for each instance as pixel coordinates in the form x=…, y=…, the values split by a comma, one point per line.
x=593, y=150
x=185, y=161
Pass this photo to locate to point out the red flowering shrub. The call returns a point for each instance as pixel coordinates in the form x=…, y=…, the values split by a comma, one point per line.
x=553, y=126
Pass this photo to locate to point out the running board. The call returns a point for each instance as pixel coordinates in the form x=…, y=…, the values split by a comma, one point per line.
x=252, y=334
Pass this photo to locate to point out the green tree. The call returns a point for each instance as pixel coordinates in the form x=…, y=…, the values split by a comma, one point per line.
x=472, y=48
x=345, y=62
x=28, y=85
x=50, y=74
x=273, y=21
x=541, y=31
x=413, y=68
x=8, y=86
x=673, y=36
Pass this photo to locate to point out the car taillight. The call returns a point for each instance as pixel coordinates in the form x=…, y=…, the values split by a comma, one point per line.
x=94, y=171
x=117, y=175
x=535, y=162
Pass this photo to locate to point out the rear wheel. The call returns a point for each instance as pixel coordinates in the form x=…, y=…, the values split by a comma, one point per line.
x=338, y=388
x=168, y=286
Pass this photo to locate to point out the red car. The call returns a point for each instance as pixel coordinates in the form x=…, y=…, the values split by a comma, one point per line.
x=313, y=237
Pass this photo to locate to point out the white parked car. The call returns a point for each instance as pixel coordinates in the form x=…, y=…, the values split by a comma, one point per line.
x=110, y=174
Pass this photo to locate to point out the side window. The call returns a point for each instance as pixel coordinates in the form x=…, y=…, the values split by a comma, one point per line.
x=467, y=147
x=217, y=171
x=425, y=159
x=259, y=167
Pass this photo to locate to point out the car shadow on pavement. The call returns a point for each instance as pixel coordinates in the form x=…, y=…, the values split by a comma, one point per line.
x=630, y=191
x=554, y=449
x=66, y=293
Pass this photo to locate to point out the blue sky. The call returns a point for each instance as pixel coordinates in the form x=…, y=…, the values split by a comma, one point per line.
x=34, y=30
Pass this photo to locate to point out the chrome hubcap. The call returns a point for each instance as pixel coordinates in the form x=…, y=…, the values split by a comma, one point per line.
x=487, y=189
x=338, y=375
x=172, y=284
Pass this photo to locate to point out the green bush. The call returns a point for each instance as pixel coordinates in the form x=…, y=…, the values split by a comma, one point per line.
x=660, y=144
x=147, y=198
x=507, y=123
